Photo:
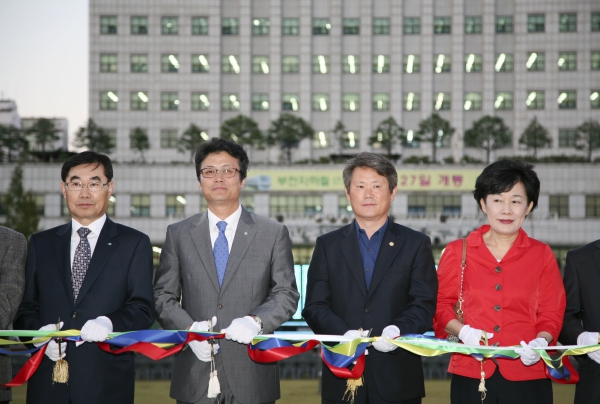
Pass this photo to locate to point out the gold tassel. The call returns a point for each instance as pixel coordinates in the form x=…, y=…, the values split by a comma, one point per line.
x=482, y=388
x=351, y=386
x=60, y=373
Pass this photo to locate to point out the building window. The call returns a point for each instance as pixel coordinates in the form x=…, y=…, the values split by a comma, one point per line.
x=200, y=102
x=595, y=99
x=344, y=206
x=567, y=61
x=290, y=64
x=140, y=205
x=441, y=101
x=260, y=64
x=139, y=63
x=381, y=64
x=472, y=101
x=350, y=140
x=290, y=26
x=536, y=100
x=442, y=25
x=108, y=100
x=230, y=65
x=320, y=140
x=139, y=101
x=412, y=25
x=503, y=100
x=169, y=64
x=289, y=102
x=199, y=25
x=472, y=25
x=412, y=64
x=412, y=101
x=443, y=63
x=381, y=102
x=350, y=102
x=320, y=64
x=592, y=206
x=410, y=142
x=567, y=137
x=595, y=21
x=229, y=26
x=305, y=204
x=351, y=64
x=536, y=23
x=567, y=99
x=169, y=101
x=139, y=25
x=321, y=26
x=169, y=25
x=175, y=205
x=504, y=24
x=536, y=61
x=504, y=62
x=559, y=205
x=473, y=63
x=260, y=102
x=112, y=135
x=168, y=139
x=108, y=24
x=595, y=61
x=260, y=26
x=108, y=63
x=351, y=26
x=568, y=22
x=320, y=102
x=230, y=102
x=381, y=26
x=200, y=64
x=448, y=205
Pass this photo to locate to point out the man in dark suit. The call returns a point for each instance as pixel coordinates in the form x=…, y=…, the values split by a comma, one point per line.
x=582, y=316
x=373, y=274
x=96, y=276
x=13, y=248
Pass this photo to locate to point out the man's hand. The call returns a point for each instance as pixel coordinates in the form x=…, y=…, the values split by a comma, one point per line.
x=590, y=338
x=202, y=349
x=382, y=344
x=356, y=333
x=52, y=350
x=97, y=329
x=529, y=356
x=242, y=330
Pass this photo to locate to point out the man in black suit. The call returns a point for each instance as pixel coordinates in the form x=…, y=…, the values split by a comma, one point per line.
x=582, y=316
x=373, y=274
x=96, y=276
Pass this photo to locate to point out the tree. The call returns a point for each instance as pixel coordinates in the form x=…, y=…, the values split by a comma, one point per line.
x=21, y=212
x=190, y=139
x=535, y=137
x=488, y=133
x=588, y=137
x=12, y=141
x=243, y=130
x=434, y=130
x=387, y=133
x=288, y=130
x=44, y=132
x=338, y=133
x=139, y=141
x=94, y=138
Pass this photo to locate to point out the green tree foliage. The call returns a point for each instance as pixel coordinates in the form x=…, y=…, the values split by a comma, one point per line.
x=94, y=138
x=12, y=142
x=44, y=133
x=434, y=130
x=190, y=139
x=338, y=133
x=21, y=212
x=287, y=131
x=488, y=133
x=139, y=141
x=535, y=137
x=388, y=133
x=588, y=137
x=243, y=130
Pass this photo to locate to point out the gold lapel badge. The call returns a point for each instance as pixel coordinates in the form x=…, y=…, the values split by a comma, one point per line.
x=391, y=243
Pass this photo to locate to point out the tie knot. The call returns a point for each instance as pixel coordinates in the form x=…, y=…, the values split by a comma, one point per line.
x=83, y=232
x=221, y=225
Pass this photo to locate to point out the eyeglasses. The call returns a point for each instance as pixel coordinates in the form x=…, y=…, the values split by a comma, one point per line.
x=78, y=186
x=225, y=172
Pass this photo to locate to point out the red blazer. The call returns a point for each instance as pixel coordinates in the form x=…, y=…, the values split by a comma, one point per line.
x=515, y=299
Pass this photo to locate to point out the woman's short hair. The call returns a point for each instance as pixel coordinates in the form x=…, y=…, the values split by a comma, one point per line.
x=377, y=162
x=503, y=175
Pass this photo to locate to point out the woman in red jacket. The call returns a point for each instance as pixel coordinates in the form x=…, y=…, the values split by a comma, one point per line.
x=512, y=291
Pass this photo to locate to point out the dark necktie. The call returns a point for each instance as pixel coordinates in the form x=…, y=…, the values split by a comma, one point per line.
x=81, y=261
x=221, y=251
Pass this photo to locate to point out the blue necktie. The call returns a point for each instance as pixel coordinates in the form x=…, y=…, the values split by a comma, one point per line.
x=221, y=251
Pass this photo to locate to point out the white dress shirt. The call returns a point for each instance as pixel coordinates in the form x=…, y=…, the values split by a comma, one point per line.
x=232, y=223
x=95, y=228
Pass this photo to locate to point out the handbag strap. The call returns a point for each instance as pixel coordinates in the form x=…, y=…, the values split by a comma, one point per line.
x=463, y=265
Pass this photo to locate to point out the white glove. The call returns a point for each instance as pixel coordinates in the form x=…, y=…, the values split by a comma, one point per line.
x=52, y=350
x=356, y=333
x=202, y=349
x=590, y=338
x=242, y=330
x=382, y=344
x=529, y=356
x=97, y=329
x=472, y=336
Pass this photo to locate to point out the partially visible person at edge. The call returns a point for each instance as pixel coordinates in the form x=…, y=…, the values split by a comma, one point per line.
x=373, y=274
x=582, y=317
x=94, y=275
x=512, y=290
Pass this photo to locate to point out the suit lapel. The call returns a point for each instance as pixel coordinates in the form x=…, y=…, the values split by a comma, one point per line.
x=350, y=251
x=596, y=256
x=390, y=245
x=200, y=234
x=244, y=234
x=63, y=258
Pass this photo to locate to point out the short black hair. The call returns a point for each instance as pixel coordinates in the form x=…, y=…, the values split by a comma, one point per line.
x=85, y=158
x=503, y=175
x=218, y=145
x=377, y=162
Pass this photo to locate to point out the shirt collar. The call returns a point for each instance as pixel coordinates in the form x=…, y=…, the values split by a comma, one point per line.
x=380, y=232
x=232, y=219
x=95, y=226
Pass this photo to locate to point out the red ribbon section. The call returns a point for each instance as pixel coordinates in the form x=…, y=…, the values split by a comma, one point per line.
x=28, y=369
x=346, y=373
x=277, y=354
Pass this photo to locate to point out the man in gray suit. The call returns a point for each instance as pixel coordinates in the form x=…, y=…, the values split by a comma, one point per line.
x=230, y=266
x=13, y=248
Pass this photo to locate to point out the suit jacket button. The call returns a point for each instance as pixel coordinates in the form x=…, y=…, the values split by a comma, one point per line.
x=498, y=287
x=498, y=269
x=220, y=306
x=367, y=310
x=497, y=328
x=74, y=314
x=497, y=307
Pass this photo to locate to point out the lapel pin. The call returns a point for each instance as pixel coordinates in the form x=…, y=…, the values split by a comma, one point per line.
x=245, y=233
x=391, y=243
x=109, y=243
